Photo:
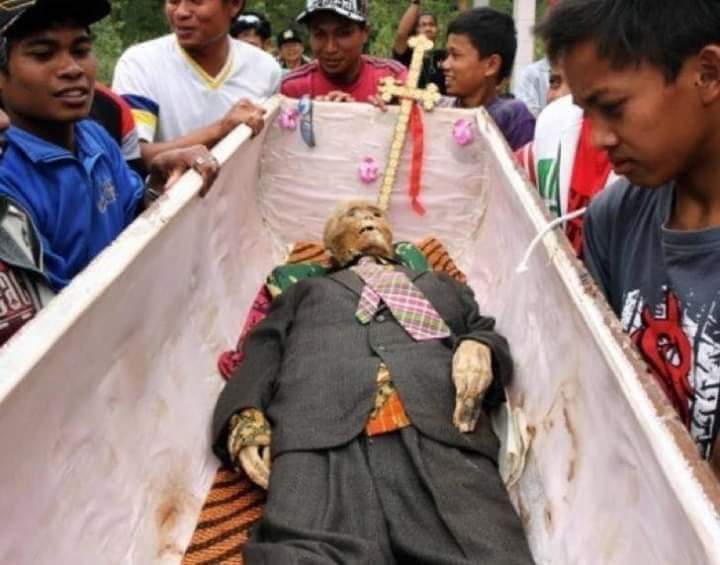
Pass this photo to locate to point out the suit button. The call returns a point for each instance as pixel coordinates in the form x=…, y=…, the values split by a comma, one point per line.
x=381, y=348
x=380, y=318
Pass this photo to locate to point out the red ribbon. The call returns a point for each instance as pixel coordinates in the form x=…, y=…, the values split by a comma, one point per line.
x=417, y=130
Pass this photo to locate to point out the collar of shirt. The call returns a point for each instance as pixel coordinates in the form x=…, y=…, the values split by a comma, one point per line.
x=345, y=87
x=39, y=150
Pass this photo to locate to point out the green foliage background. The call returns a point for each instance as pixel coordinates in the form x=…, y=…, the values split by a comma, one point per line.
x=137, y=20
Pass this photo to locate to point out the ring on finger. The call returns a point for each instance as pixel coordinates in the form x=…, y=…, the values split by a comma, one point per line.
x=199, y=161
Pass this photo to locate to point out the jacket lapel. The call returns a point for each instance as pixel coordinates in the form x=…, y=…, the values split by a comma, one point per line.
x=349, y=280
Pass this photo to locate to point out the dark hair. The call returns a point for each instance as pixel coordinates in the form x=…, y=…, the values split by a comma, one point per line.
x=629, y=32
x=427, y=15
x=251, y=20
x=491, y=33
x=34, y=21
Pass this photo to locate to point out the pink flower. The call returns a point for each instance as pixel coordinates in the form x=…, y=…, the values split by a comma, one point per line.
x=463, y=132
x=289, y=119
x=369, y=170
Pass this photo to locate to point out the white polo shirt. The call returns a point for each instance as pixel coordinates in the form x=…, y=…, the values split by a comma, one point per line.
x=171, y=95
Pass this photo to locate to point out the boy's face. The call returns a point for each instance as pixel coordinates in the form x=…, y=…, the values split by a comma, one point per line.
x=50, y=77
x=197, y=23
x=467, y=72
x=291, y=51
x=337, y=43
x=652, y=129
x=427, y=27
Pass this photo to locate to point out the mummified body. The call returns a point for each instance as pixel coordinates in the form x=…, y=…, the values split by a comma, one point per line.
x=372, y=386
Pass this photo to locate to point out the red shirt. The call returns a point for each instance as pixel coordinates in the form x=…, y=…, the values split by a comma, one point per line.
x=311, y=80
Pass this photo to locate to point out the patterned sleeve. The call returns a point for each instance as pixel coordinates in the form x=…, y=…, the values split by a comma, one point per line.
x=134, y=84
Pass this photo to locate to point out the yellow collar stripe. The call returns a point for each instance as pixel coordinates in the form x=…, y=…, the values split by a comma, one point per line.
x=212, y=82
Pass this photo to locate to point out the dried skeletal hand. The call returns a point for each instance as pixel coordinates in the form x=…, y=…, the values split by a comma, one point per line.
x=255, y=461
x=249, y=445
x=472, y=375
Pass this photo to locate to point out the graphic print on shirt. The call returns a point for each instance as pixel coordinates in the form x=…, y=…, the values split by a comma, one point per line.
x=16, y=305
x=108, y=195
x=682, y=348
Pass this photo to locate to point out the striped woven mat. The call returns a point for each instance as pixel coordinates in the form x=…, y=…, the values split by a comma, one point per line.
x=234, y=503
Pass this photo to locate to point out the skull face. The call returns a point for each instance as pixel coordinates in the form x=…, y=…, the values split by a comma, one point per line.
x=358, y=227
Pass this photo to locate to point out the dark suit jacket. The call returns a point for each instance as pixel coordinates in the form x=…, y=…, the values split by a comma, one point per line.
x=311, y=367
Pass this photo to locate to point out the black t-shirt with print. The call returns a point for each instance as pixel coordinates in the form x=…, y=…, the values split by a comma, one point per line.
x=432, y=67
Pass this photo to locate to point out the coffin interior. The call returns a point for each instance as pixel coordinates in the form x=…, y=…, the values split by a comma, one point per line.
x=106, y=397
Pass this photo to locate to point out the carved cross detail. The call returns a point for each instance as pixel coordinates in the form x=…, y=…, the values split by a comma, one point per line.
x=409, y=93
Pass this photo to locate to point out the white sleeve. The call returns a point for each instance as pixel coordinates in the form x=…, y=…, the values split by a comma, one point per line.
x=527, y=90
x=275, y=80
x=134, y=84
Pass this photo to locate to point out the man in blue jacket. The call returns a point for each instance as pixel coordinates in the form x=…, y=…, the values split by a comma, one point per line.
x=63, y=170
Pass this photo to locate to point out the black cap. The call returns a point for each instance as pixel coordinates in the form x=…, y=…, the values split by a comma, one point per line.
x=251, y=20
x=88, y=11
x=288, y=36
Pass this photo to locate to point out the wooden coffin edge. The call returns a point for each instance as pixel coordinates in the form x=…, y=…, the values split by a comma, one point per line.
x=40, y=335
x=691, y=478
x=693, y=482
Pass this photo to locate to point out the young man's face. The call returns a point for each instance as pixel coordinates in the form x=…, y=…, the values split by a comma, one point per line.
x=652, y=129
x=427, y=26
x=292, y=51
x=50, y=78
x=252, y=37
x=198, y=23
x=466, y=71
x=337, y=43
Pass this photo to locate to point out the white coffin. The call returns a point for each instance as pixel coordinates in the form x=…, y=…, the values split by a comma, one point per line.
x=106, y=397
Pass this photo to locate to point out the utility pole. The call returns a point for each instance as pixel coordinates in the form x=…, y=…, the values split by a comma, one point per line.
x=524, y=14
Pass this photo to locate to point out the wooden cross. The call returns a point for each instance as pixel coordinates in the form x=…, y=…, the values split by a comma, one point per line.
x=409, y=93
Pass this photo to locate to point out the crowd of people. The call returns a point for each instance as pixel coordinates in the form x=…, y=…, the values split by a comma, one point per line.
x=618, y=117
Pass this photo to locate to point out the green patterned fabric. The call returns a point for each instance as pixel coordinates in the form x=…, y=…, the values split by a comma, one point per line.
x=285, y=276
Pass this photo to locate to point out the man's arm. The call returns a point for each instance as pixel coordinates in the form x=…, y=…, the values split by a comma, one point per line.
x=252, y=384
x=243, y=112
x=406, y=28
x=137, y=87
x=482, y=329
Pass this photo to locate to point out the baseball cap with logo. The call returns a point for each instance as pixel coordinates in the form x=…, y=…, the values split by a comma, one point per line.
x=288, y=35
x=355, y=10
x=87, y=11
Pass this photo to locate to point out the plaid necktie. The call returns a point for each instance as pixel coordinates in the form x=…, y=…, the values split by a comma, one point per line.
x=393, y=287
